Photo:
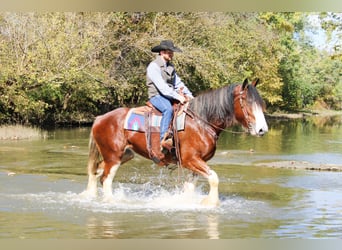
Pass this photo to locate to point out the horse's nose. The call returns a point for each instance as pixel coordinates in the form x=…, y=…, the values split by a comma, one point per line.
x=262, y=131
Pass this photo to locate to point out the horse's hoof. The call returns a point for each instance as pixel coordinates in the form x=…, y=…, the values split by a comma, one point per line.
x=209, y=202
x=108, y=199
x=88, y=194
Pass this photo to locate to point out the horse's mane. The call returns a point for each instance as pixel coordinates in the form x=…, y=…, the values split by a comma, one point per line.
x=215, y=105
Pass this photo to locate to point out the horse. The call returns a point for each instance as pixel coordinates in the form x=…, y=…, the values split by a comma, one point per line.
x=208, y=114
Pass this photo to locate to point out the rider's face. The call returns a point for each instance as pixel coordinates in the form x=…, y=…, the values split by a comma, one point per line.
x=167, y=55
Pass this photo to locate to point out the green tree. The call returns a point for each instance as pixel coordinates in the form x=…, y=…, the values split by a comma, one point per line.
x=48, y=57
x=70, y=67
x=222, y=48
x=286, y=25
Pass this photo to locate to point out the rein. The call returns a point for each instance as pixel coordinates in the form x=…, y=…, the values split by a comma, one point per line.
x=243, y=108
x=193, y=115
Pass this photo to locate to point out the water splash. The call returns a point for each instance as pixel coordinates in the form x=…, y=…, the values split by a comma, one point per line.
x=126, y=198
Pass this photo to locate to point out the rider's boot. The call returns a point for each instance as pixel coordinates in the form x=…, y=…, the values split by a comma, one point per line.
x=166, y=144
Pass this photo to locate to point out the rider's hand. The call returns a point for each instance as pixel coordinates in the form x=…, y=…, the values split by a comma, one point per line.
x=188, y=98
x=181, y=99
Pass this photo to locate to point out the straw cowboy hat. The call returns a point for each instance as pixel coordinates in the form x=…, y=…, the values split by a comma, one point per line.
x=166, y=45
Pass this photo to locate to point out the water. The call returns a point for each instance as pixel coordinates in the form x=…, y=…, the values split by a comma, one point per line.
x=41, y=181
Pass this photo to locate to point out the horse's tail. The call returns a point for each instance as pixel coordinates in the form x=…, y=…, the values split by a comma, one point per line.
x=94, y=156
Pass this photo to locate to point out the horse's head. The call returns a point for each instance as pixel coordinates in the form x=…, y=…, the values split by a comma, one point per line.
x=249, y=107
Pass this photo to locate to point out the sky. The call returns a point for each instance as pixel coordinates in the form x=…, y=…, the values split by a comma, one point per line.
x=319, y=37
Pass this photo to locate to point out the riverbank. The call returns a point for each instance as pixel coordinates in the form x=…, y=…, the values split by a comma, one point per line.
x=301, y=165
x=303, y=114
x=20, y=132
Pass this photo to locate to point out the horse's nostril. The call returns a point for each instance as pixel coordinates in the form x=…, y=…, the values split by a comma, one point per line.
x=261, y=132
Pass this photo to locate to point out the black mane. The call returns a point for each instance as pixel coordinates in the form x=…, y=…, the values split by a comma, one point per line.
x=215, y=106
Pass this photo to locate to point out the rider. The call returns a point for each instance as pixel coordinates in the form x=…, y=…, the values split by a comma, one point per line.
x=164, y=86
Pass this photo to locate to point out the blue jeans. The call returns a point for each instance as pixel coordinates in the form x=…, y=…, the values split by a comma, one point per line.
x=164, y=106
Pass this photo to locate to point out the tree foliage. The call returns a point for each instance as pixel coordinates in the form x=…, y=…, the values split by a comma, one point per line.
x=70, y=67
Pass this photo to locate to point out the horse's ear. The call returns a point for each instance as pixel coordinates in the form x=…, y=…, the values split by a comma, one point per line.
x=255, y=82
x=245, y=83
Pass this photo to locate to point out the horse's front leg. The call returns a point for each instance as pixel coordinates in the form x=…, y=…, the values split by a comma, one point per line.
x=199, y=166
x=190, y=184
x=213, y=197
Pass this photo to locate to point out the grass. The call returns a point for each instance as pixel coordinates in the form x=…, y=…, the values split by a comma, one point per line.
x=20, y=132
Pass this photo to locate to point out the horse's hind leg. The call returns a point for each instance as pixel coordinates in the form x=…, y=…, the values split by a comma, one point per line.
x=109, y=171
x=95, y=170
x=92, y=180
x=107, y=180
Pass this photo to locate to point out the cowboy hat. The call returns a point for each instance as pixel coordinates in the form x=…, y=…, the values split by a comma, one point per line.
x=165, y=45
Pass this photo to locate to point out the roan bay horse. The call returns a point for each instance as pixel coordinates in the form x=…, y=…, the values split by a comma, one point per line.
x=111, y=145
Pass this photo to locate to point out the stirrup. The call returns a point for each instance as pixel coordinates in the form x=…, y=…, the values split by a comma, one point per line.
x=166, y=145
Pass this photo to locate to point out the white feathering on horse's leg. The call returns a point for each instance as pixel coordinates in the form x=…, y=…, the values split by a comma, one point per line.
x=91, y=191
x=190, y=185
x=212, y=200
x=107, y=183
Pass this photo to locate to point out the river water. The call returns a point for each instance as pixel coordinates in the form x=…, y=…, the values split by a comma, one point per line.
x=41, y=181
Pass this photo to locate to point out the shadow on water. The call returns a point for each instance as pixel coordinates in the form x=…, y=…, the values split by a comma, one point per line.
x=41, y=181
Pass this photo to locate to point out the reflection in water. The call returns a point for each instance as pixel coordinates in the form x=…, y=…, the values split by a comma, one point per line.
x=327, y=121
x=168, y=225
x=310, y=139
x=104, y=229
x=213, y=232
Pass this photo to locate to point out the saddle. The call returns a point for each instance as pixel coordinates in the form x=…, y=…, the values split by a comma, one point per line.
x=147, y=119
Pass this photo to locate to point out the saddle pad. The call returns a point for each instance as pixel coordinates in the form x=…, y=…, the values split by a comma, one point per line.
x=135, y=121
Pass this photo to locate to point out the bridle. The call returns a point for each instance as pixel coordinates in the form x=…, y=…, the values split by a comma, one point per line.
x=242, y=101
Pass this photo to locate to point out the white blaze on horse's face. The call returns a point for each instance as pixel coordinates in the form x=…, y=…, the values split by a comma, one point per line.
x=259, y=127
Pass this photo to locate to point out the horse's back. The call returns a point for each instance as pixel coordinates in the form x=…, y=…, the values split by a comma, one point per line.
x=110, y=123
x=115, y=116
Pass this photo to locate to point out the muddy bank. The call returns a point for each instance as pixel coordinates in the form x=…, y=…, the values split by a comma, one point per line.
x=303, y=114
x=304, y=165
